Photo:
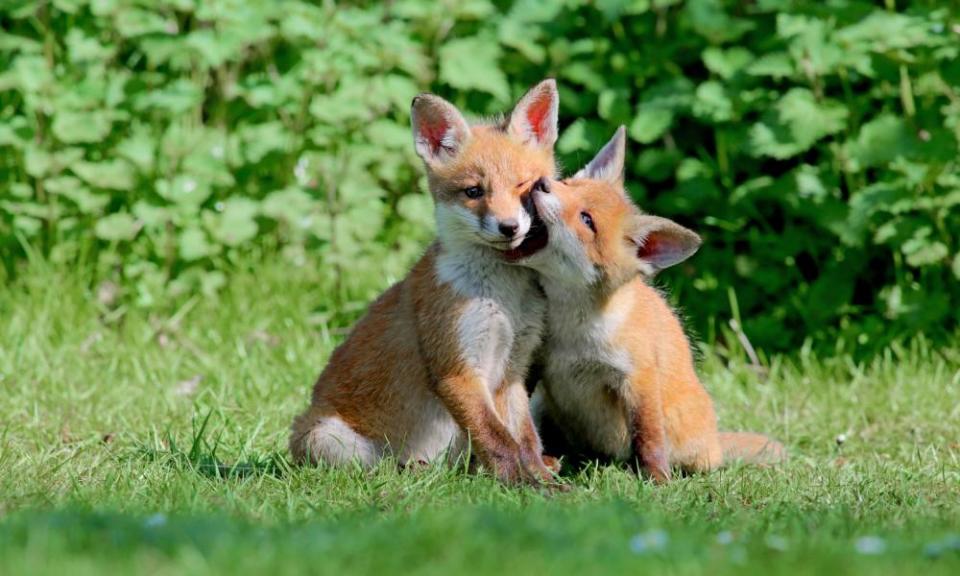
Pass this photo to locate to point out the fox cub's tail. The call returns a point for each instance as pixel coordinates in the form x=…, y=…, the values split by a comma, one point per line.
x=752, y=448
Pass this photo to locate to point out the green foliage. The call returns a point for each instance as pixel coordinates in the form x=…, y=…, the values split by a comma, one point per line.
x=813, y=145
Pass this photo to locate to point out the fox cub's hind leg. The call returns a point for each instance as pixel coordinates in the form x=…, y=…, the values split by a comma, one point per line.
x=316, y=438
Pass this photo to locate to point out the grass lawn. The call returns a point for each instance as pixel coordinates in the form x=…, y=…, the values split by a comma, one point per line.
x=157, y=444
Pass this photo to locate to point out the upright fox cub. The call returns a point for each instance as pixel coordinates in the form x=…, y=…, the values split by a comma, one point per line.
x=618, y=375
x=440, y=358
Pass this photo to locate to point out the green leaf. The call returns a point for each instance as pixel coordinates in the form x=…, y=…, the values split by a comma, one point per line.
x=517, y=35
x=27, y=224
x=346, y=105
x=711, y=21
x=798, y=122
x=650, y=123
x=921, y=252
x=775, y=64
x=809, y=184
x=237, y=223
x=712, y=102
x=292, y=206
x=176, y=98
x=193, y=245
x=69, y=187
x=152, y=216
x=883, y=31
x=389, y=134
x=111, y=174
x=132, y=22
x=726, y=63
x=956, y=266
x=863, y=205
x=83, y=48
x=262, y=139
x=880, y=141
x=139, y=148
x=614, y=106
x=81, y=127
x=474, y=64
x=117, y=227
x=417, y=209
x=675, y=93
x=184, y=189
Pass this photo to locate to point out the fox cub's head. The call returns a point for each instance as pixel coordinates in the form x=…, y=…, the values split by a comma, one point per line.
x=597, y=235
x=482, y=176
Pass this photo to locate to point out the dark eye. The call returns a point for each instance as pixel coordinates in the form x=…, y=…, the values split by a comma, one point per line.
x=473, y=192
x=588, y=221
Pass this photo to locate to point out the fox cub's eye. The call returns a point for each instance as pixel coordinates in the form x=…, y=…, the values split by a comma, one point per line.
x=473, y=192
x=588, y=221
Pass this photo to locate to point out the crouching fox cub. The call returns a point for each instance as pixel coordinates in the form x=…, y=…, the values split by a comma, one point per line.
x=439, y=361
x=618, y=373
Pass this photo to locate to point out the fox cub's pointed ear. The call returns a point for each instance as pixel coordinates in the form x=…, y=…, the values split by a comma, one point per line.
x=439, y=130
x=661, y=243
x=534, y=118
x=608, y=163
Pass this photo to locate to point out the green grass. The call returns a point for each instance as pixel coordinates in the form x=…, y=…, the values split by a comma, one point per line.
x=131, y=441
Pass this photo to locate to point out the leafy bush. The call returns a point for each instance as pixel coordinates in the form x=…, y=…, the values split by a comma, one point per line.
x=814, y=145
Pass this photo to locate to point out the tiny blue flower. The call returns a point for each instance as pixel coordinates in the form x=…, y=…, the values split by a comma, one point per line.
x=158, y=519
x=651, y=541
x=870, y=545
x=778, y=543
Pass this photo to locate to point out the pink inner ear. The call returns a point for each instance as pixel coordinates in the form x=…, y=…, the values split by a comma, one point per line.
x=652, y=247
x=537, y=114
x=434, y=132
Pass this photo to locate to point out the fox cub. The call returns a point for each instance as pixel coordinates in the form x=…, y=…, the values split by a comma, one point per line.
x=618, y=373
x=438, y=363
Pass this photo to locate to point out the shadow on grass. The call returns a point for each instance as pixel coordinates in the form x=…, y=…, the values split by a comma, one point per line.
x=201, y=457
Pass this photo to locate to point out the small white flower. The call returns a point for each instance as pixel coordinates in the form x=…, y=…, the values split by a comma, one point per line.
x=650, y=541
x=217, y=152
x=219, y=206
x=870, y=545
x=841, y=438
x=300, y=171
x=189, y=185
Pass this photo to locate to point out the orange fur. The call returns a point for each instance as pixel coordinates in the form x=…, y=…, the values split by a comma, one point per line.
x=619, y=376
x=438, y=362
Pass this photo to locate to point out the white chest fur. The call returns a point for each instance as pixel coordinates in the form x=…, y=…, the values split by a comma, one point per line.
x=586, y=372
x=502, y=322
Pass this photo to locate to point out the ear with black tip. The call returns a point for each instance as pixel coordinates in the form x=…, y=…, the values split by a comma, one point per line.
x=608, y=163
x=439, y=130
x=661, y=243
x=534, y=118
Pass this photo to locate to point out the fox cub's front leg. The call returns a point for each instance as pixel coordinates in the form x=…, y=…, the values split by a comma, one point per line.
x=513, y=405
x=469, y=401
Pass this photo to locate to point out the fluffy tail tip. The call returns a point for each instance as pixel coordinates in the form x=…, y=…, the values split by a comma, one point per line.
x=752, y=448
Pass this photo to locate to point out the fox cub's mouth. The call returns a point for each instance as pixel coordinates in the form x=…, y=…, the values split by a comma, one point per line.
x=533, y=242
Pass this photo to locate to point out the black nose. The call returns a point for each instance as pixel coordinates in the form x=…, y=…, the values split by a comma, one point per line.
x=541, y=186
x=508, y=227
